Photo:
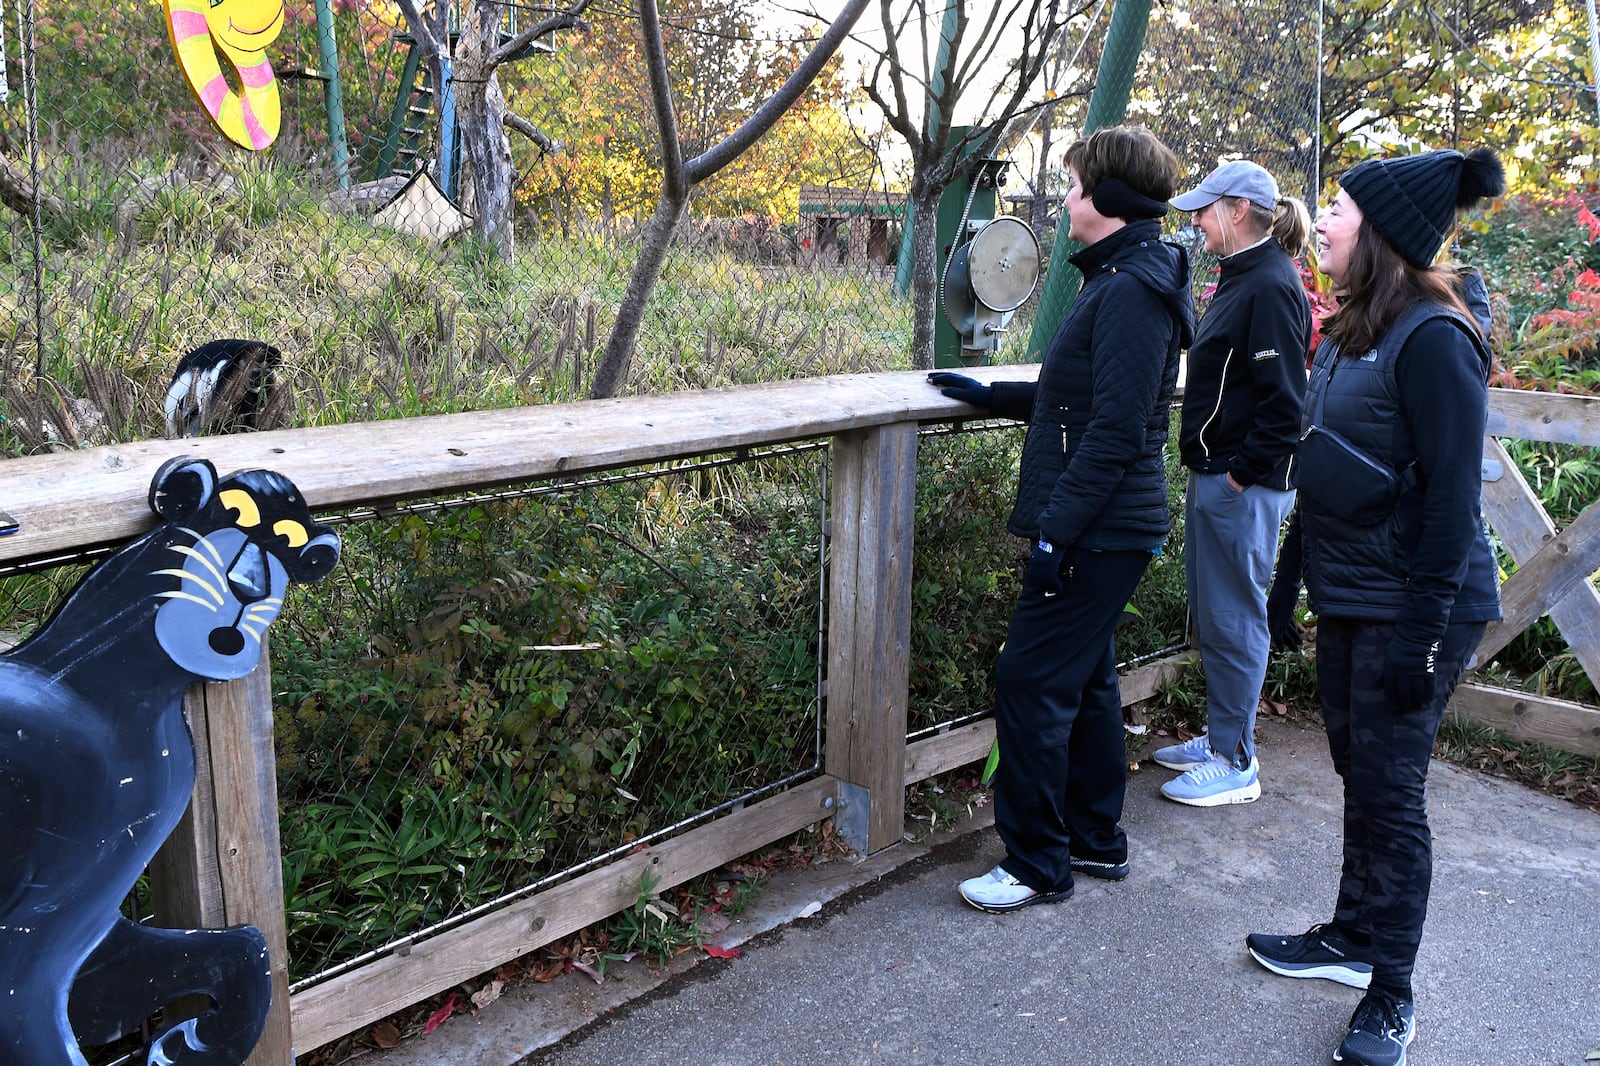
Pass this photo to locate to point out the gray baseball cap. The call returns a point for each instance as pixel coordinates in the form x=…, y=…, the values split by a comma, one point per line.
x=1238, y=178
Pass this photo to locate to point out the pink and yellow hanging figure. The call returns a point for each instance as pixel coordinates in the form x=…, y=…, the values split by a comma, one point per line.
x=241, y=31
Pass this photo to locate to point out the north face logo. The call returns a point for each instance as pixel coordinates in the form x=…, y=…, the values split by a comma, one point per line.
x=1265, y=353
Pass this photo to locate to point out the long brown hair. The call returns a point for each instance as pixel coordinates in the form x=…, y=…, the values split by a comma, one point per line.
x=1379, y=287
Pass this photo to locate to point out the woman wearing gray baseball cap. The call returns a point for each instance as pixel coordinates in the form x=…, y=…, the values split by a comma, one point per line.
x=1241, y=418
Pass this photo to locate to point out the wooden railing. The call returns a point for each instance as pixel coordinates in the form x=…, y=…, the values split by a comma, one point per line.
x=222, y=866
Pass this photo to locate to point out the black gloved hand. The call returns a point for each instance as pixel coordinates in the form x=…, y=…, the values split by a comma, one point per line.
x=1408, y=677
x=960, y=387
x=1281, y=624
x=1044, y=569
x=1285, y=592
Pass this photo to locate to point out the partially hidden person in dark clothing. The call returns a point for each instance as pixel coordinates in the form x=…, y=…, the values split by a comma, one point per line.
x=1092, y=499
x=1389, y=537
x=1242, y=398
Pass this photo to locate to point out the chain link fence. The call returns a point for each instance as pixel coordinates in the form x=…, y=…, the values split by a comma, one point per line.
x=493, y=693
x=344, y=246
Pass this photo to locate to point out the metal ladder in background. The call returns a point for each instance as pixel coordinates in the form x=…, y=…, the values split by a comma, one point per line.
x=407, y=133
x=409, y=122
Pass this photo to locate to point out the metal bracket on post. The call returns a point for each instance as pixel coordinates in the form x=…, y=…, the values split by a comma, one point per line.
x=850, y=815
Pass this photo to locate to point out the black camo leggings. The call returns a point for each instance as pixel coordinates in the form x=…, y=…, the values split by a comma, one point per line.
x=1382, y=756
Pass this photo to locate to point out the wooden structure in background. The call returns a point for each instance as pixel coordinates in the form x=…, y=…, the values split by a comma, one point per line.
x=226, y=854
x=866, y=216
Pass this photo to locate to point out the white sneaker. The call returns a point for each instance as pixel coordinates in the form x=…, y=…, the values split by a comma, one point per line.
x=1215, y=782
x=1186, y=756
x=998, y=892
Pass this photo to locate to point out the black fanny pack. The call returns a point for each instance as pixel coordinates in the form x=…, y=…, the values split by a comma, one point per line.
x=1341, y=479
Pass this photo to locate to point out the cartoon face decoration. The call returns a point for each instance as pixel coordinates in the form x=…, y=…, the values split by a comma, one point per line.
x=244, y=28
x=232, y=558
x=241, y=30
x=97, y=768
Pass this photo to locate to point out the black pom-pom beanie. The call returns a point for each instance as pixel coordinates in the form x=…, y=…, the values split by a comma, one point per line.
x=1412, y=200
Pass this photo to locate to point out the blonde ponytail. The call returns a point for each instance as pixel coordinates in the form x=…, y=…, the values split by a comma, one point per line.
x=1291, y=226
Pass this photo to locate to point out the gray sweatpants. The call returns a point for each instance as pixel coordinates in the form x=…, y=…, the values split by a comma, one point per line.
x=1230, y=542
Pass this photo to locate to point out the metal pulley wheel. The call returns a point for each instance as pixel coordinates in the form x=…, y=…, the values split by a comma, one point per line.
x=995, y=272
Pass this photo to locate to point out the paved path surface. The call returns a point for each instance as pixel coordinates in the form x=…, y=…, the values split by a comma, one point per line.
x=897, y=969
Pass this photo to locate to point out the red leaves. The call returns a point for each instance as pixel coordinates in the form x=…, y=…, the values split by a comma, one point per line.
x=440, y=1016
x=717, y=952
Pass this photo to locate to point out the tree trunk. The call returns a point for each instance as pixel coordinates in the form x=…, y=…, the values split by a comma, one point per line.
x=1041, y=189
x=924, y=274
x=487, y=175
x=17, y=192
x=658, y=233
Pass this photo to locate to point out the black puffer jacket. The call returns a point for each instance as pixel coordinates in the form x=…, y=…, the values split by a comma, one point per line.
x=1092, y=473
x=1416, y=403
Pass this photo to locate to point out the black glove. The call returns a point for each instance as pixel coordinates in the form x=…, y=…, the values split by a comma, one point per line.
x=1281, y=624
x=960, y=387
x=1408, y=676
x=1285, y=592
x=1044, y=569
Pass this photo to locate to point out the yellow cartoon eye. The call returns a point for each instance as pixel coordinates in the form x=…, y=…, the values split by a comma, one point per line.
x=291, y=531
x=241, y=504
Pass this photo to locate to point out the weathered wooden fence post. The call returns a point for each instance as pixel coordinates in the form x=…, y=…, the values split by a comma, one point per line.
x=221, y=866
x=869, y=628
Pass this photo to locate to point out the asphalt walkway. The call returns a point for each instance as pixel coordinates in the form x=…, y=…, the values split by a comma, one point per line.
x=892, y=967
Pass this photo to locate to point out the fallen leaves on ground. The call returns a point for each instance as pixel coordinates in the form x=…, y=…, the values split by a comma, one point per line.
x=440, y=1016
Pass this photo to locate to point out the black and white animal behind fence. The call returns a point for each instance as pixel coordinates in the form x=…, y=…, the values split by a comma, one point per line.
x=225, y=386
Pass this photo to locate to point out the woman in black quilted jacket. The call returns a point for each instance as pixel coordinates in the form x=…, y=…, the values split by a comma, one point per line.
x=1092, y=500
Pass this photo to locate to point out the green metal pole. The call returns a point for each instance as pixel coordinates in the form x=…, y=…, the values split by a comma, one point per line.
x=947, y=33
x=332, y=92
x=1107, y=106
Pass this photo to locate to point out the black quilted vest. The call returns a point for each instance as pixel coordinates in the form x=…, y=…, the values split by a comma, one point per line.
x=1362, y=571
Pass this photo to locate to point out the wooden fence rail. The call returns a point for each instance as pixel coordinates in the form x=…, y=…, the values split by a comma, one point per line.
x=222, y=866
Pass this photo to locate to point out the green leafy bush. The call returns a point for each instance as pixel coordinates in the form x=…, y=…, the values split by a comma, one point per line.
x=1521, y=242
x=553, y=676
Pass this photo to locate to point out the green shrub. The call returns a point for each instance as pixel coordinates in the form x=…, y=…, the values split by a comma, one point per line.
x=1522, y=241
x=566, y=673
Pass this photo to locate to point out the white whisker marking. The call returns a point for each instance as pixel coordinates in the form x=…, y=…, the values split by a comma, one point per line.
x=179, y=594
x=185, y=575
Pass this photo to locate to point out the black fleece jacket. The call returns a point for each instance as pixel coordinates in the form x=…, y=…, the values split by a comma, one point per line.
x=1246, y=378
x=1092, y=473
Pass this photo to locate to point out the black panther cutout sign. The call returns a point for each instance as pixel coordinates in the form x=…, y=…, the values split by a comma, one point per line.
x=97, y=766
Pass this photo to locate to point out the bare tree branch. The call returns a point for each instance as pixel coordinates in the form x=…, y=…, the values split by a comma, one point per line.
x=566, y=19
x=17, y=192
x=534, y=134
x=679, y=178
x=767, y=115
x=421, y=28
x=674, y=179
x=1013, y=36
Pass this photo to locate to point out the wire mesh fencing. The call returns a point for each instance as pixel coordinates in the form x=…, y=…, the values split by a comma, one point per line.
x=967, y=574
x=347, y=244
x=495, y=693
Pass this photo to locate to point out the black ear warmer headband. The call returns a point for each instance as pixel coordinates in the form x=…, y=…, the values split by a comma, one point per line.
x=1115, y=198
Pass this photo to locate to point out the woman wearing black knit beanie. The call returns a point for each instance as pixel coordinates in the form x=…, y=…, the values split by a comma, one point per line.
x=1389, y=539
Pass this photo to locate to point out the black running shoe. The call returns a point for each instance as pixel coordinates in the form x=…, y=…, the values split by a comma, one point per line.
x=1105, y=871
x=1380, y=1031
x=1321, y=951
